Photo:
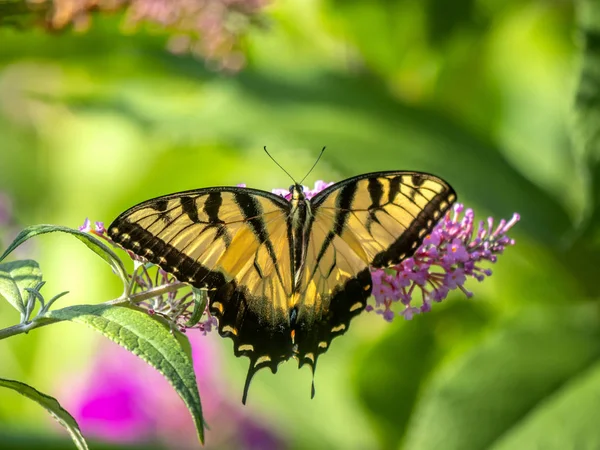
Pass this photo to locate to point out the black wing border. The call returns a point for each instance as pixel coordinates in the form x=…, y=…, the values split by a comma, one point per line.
x=322, y=196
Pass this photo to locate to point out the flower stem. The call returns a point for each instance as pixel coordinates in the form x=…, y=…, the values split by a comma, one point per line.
x=26, y=327
x=145, y=295
x=41, y=321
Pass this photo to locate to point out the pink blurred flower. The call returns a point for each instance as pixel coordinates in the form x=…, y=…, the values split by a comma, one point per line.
x=211, y=29
x=123, y=400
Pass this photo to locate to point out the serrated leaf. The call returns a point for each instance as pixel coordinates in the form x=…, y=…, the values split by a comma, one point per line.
x=147, y=338
x=89, y=240
x=52, y=406
x=475, y=400
x=15, y=277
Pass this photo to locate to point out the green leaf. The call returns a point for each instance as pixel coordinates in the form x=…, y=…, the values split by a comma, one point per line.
x=93, y=243
x=15, y=277
x=584, y=255
x=385, y=387
x=52, y=406
x=492, y=390
x=200, y=299
x=567, y=420
x=587, y=97
x=147, y=338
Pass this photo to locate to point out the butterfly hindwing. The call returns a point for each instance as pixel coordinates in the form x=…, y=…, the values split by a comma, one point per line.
x=373, y=220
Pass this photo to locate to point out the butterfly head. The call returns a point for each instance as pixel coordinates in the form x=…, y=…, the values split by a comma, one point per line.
x=297, y=191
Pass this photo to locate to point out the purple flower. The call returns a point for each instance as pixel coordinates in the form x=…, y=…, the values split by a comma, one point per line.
x=453, y=252
x=99, y=228
x=455, y=278
x=87, y=226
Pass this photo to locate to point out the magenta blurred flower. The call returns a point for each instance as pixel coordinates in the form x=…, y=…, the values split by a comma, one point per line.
x=122, y=399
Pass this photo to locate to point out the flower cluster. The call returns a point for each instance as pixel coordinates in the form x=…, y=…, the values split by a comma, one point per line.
x=211, y=29
x=98, y=229
x=448, y=256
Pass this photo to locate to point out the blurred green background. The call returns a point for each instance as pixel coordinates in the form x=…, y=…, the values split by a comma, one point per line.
x=498, y=97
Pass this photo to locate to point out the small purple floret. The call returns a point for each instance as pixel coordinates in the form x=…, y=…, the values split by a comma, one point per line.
x=99, y=227
x=87, y=226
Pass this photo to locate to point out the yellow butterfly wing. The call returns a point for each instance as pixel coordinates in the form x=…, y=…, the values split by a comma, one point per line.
x=372, y=220
x=233, y=242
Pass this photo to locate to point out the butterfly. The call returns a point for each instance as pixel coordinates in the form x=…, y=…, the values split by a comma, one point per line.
x=284, y=278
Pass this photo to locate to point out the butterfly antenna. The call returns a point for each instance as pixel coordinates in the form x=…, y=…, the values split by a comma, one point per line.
x=288, y=174
x=311, y=169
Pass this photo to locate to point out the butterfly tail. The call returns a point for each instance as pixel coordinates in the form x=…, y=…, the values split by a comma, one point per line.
x=251, y=372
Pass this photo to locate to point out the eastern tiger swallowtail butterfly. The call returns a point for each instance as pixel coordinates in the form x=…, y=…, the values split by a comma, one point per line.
x=286, y=277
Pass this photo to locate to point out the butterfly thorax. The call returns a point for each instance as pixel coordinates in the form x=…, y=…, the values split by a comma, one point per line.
x=299, y=222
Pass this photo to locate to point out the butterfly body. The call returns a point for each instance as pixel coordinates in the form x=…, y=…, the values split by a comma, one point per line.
x=285, y=278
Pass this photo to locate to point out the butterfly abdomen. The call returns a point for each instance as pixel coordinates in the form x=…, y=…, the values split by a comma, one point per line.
x=299, y=223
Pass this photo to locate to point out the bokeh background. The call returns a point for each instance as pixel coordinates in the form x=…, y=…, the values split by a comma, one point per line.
x=101, y=110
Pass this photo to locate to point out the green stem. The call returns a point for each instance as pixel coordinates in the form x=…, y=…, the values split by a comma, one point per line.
x=150, y=293
x=41, y=321
x=25, y=327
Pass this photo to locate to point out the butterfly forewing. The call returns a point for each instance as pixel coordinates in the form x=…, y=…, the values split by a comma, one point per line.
x=389, y=213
